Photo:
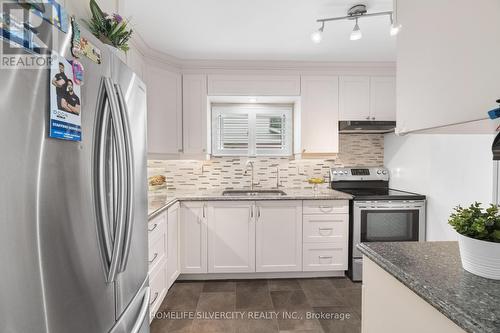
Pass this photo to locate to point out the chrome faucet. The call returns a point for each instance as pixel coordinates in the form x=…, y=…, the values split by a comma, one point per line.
x=250, y=163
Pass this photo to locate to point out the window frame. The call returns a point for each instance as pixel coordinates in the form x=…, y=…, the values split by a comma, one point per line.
x=252, y=110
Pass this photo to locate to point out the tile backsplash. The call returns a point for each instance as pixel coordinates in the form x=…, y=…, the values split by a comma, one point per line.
x=229, y=172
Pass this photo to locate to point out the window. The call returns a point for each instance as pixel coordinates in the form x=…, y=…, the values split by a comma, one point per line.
x=252, y=130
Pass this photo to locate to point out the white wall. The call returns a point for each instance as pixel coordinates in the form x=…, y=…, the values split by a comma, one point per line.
x=450, y=169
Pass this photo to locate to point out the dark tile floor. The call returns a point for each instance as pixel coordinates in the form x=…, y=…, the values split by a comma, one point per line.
x=248, y=306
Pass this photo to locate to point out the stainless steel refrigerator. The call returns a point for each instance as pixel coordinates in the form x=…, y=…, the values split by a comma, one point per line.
x=73, y=215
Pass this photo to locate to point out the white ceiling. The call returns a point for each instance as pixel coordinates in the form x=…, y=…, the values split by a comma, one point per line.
x=260, y=29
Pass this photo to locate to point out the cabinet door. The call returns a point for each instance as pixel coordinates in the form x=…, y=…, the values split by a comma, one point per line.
x=231, y=237
x=278, y=236
x=383, y=98
x=195, y=113
x=172, y=244
x=193, y=238
x=319, y=114
x=164, y=112
x=354, y=98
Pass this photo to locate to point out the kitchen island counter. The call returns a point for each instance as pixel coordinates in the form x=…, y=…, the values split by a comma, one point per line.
x=433, y=271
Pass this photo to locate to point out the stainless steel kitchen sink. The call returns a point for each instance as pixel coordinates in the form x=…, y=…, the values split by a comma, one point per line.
x=252, y=193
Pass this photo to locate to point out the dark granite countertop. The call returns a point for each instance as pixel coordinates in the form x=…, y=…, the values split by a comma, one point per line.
x=433, y=271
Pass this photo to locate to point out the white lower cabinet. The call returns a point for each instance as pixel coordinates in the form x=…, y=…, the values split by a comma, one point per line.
x=157, y=239
x=193, y=237
x=278, y=236
x=172, y=244
x=326, y=235
x=157, y=283
x=325, y=257
x=231, y=237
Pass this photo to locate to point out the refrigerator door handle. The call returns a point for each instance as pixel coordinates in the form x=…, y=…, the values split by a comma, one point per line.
x=130, y=177
x=122, y=179
x=143, y=312
x=100, y=176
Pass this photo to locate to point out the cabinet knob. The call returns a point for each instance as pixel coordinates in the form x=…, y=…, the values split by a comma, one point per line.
x=368, y=118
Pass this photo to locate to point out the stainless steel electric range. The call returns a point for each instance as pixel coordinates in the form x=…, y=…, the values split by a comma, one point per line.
x=377, y=212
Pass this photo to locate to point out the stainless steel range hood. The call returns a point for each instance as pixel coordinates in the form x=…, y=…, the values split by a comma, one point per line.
x=366, y=126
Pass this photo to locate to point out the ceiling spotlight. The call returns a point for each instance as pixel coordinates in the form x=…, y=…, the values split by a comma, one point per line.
x=317, y=36
x=356, y=32
x=395, y=27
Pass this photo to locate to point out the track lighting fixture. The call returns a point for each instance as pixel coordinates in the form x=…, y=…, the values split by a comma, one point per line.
x=354, y=13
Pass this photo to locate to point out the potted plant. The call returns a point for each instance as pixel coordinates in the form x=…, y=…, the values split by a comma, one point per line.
x=479, y=239
x=110, y=29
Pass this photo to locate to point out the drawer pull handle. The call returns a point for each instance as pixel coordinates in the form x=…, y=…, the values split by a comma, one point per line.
x=325, y=208
x=154, y=258
x=153, y=228
x=154, y=298
x=325, y=257
x=323, y=229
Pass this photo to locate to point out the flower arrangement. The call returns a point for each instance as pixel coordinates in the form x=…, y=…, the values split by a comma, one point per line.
x=109, y=28
x=474, y=222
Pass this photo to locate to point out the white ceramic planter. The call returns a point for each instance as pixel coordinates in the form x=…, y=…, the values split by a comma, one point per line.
x=480, y=257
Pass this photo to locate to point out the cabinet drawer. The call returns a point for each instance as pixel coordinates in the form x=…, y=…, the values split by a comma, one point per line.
x=324, y=257
x=326, y=207
x=325, y=228
x=158, y=285
x=156, y=228
x=157, y=252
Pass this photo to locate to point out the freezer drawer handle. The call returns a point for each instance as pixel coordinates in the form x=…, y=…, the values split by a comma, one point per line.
x=142, y=313
x=154, y=258
x=129, y=216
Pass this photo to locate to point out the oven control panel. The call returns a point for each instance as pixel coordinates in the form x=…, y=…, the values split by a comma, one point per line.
x=359, y=174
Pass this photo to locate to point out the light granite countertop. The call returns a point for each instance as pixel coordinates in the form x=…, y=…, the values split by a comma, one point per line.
x=433, y=271
x=161, y=200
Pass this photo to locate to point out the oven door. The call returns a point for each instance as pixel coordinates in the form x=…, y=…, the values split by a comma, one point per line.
x=388, y=221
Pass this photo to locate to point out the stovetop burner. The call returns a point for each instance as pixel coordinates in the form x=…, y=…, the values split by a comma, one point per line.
x=368, y=184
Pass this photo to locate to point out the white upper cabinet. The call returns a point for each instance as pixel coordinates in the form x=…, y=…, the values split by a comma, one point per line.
x=364, y=98
x=447, y=62
x=254, y=85
x=319, y=114
x=231, y=237
x=195, y=113
x=354, y=98
x=383, y=98
x=164, y=112
x=278, y=236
